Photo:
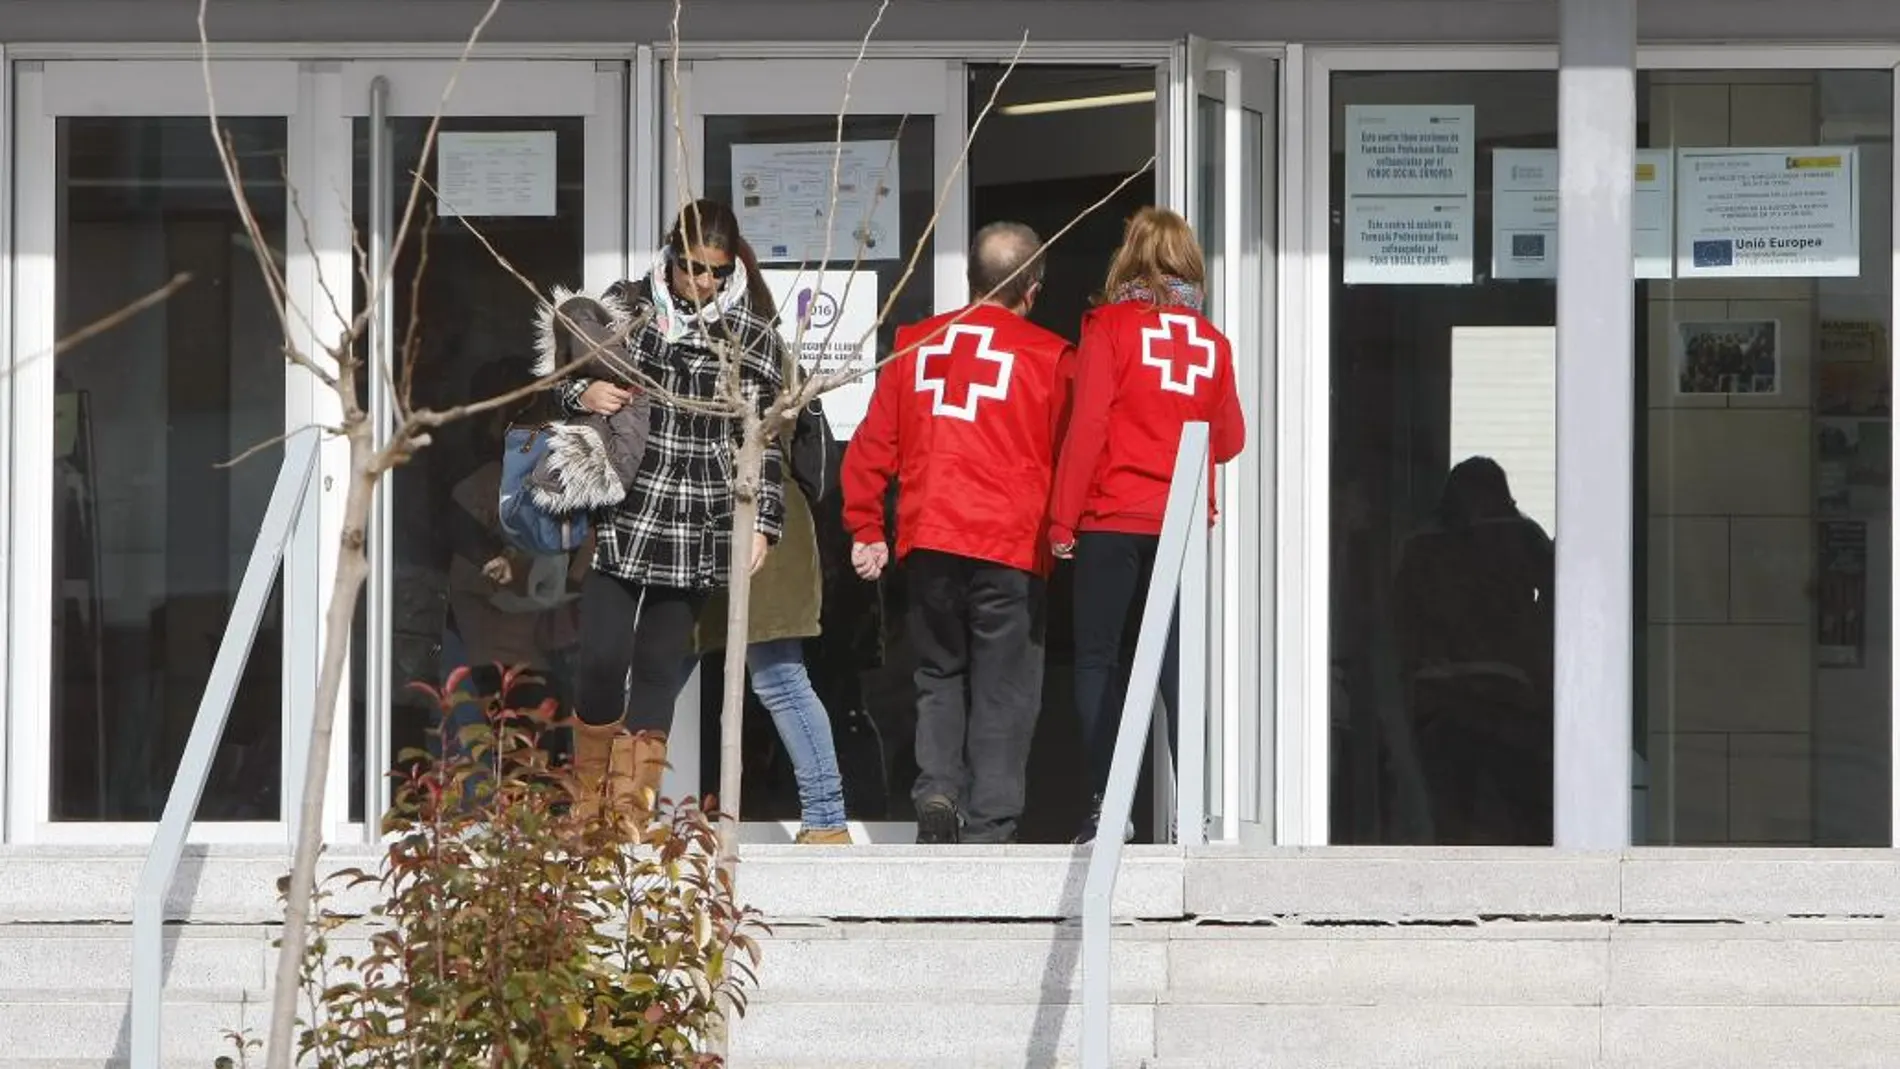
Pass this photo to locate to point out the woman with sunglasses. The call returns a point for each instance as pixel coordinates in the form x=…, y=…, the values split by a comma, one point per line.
x=662, y=552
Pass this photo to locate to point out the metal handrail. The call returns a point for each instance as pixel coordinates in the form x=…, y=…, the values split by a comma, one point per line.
x=194, y=765
x=1180, y=572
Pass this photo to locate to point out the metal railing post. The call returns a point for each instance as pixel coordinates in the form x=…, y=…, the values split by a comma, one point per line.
x=201, y=746
x=1190, y=794
x=1187, y=511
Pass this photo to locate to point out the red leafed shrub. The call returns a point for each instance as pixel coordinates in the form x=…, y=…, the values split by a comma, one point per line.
x=508, y=931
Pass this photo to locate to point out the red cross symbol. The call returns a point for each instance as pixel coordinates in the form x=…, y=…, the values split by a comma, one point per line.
x=951, y=371
x=1177, y=348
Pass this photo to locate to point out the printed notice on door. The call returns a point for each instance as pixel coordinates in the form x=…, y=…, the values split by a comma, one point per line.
x=495, y=173
x=1409, y=181
x=837, y=312
x=1524, y=213
x=1768, y=213
x=787, y=211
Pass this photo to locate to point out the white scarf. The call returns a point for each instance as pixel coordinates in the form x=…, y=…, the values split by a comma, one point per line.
x=674, y=324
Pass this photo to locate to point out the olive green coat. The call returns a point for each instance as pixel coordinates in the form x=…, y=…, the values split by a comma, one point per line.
x=788, y=592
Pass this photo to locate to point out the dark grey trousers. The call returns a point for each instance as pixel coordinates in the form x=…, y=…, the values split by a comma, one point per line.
x=978, y=632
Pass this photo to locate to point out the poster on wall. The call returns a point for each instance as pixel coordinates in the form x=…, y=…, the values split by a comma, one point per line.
x=1767, y=213
x=1524, y=213
x=784, y=199
x=838, y=310
x=1734, y=356
x=1409, y=182
x=1854, y=470
x=1841, y=601
x=495, y=173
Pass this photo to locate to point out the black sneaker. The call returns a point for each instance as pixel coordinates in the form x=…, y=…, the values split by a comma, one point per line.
x=937, y=823
x=1094, y=820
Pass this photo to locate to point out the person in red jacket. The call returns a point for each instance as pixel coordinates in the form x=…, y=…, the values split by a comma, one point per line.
x=966, y=417
x=1150, y=363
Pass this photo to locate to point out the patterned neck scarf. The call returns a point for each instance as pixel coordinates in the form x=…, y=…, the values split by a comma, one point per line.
x=1175, y=292
x=677, y=317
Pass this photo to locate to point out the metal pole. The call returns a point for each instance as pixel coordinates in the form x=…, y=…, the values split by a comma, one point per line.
x=377, y=615
x=1187, y=504
x=1191, y=780
x=1596, y=138
x=194, y=766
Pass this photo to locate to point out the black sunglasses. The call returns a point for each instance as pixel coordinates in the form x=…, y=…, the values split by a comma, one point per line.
x=697, y=269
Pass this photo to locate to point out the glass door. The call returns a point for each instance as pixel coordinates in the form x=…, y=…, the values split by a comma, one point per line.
x=763, y=136
x=525, y=179
x=1226, y=124
x=129, y=533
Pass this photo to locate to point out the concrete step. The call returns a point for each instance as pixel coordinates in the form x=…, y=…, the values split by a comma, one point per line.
x=958, y=963
x=941, y=1034
x=94, y=1030
x=215, y=962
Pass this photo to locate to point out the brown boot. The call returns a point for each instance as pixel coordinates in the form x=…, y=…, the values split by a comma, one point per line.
x=823, y=837
x=639, y=766
x=593, y=750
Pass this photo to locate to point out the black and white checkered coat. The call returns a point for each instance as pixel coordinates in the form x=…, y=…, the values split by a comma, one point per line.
x=674, y=527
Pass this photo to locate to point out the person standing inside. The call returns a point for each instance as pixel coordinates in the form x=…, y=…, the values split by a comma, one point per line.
x=1149, y=364
x=665, y=548
x=787, y=597
x=965, y=418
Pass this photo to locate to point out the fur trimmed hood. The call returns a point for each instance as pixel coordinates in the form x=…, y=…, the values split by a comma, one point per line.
x=555, y=343
x=591, y=459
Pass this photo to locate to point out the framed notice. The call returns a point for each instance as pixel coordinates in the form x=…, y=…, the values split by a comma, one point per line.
x=1768, y=213
x=1524, y=213
x=495, y=173
x=1409, y=182
x=790, y=212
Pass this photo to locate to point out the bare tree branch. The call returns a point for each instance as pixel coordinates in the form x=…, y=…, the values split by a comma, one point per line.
x=273, y=442
x=112, y=320
x=411, y=339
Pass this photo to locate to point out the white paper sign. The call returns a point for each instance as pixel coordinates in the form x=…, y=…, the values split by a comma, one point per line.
x=839, y=311
x=1768, y=213
x=783, y=197
x=495, y=173
x=1524, y=186
x=1409, y=181
x=1408, y=241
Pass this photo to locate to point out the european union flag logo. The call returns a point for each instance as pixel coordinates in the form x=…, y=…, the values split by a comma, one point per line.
x=1527, y=246
x=1715, y=253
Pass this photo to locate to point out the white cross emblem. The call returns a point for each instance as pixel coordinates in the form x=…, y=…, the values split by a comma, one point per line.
x=1162, y=347
x=957, y=373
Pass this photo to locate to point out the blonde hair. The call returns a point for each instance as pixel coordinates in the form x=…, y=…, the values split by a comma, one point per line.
x=1157, y=245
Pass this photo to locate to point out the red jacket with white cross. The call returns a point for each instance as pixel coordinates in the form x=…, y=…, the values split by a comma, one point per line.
x=966, y=418
x=1143, y=372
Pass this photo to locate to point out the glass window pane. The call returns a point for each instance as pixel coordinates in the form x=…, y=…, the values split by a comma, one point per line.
x=1443, y=464
x=151, y=537
x=1764, y=501
x=463, y=325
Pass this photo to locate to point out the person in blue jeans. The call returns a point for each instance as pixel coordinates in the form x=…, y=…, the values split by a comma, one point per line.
x=787, y=594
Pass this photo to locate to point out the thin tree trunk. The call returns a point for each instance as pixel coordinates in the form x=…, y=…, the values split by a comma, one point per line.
x=351, y=570
x=745, y=513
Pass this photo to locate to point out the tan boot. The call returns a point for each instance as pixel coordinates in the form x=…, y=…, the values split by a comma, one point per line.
x=593, y=750
x=639, y=767
x=823, y=837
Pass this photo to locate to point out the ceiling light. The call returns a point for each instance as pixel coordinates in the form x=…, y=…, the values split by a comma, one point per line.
x=1105, y=100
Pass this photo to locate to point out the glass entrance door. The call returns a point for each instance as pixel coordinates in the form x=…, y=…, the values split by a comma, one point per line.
x=525, y=179
x=763, y=137
x=129, y=533
x=1226, y=121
